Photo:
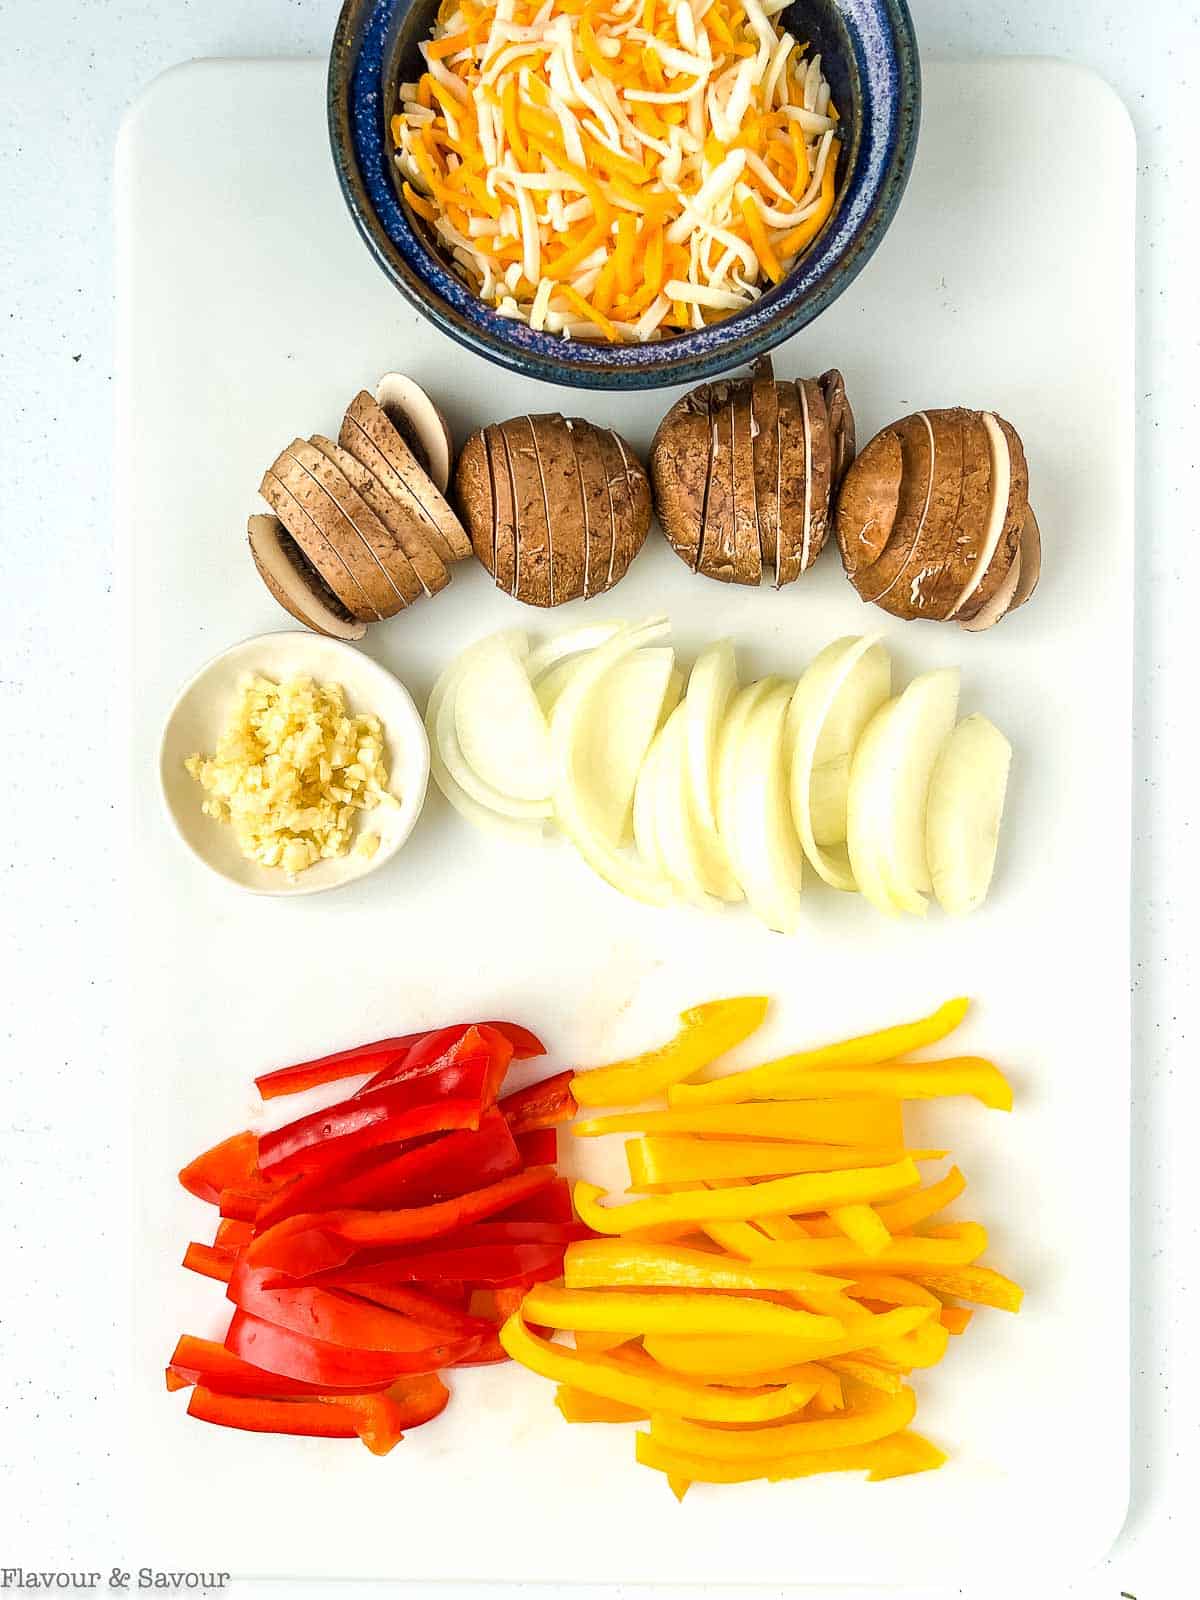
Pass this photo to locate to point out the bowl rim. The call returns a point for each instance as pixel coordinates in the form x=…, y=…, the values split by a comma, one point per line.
x=870, y=198
x=413, y=735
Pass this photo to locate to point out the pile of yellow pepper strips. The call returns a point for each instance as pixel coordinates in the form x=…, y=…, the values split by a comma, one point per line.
x=765, y=1300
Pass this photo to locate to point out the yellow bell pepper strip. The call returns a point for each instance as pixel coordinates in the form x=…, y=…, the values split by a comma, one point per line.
x=886, y=1379
x=956, y=1245
x=893, y=1291
x=672, y=1311
x=587, y=1339
x=657, y=1162
x=614, y=1379
x=955, y=1319
x=893, y=1457
x=863, y=1226
x=916, y=1080
x=981, y=1285
x=868, y=1050
x=845, y=1122
x=578, y=1406
x=872, y=1417
x=816, y=1191
x=807, y=1377
x=901, y=1216
x=714, y=1355
x=923, y=1347
x=617, y=1263
x=708, y=1031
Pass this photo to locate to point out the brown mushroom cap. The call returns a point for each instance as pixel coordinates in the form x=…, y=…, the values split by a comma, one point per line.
x=934, y=521
x=744, y=473
x=295, y=583
x=562, y=492
x=598, y=559
x=340, y=531
x=428, y=569
x=532, y=580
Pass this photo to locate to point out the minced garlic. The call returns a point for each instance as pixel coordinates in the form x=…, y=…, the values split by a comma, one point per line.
x=291, y=770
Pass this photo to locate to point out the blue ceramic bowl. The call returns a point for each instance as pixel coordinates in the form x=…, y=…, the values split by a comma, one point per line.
x=869, y=55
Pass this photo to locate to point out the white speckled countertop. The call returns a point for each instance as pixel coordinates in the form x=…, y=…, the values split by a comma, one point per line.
x=67, y=72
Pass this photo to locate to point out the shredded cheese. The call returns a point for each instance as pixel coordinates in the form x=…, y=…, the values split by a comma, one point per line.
x=617, y=169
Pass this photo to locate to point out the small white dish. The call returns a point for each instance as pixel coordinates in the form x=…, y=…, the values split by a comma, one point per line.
x=200, y=713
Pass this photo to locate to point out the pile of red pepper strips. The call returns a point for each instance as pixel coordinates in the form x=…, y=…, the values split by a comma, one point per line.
x=370, y=1245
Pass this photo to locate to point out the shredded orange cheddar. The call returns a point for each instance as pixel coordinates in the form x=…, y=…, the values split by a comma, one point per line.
x=617, y=175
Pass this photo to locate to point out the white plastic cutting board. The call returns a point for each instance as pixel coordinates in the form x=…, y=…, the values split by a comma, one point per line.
x=250, y=312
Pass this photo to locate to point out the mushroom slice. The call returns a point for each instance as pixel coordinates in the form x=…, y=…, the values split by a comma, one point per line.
x=533, y=531
x=819, y=464
x=597, y=511
x=295, y=583
x=1031, y=559
x=869, y=503
x=416, y=483
x=680, y=464
x=554, y=450
x=476, y=494
x=411, y=564
x=1006, y=517
x=841, y=424
x=927, y=583
x=505, y=566
x=747, y=545
x=356, y=443
x=764, y=433
x=379, y=539
x=324, y=555
x=1001, y=602
x=918, y=449
x=419, y=422
x=342, y=534
x=795, y=507
x=717, y=542
x=629, y=491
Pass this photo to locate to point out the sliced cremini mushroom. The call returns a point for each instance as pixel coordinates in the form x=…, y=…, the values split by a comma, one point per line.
x=795, y=486
x=1001, y=602
x=1031, y=559
x=379, y=540
x=505, y=569
x=747, y=539
x=562, y=494
x=680, y=462
x=717, y=541
x=423, y=427
x=365, y=415
x=1009, y=503
x=630, y=497
x=406, y=528
x=325, y=556
x=341, y=533
x=764, y=427
x=533, y=532
x=295, y=582
x=473, y=485
x=819, y=467
x=869, y=504
x=597, y=509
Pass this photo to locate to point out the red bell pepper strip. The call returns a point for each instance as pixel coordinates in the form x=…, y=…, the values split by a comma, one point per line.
x=439, y=1049
x=329, y=1069
x=205, y=1362
x=362, y=1123
x=210, y=1260
x=538, y=1147
x=231, y=1162
x=408, y=1175
x=486, y=1353
x=318, y=1241
x=330, y=1366
x=496, y=1305
x=366, y=1058
x=233, y=1234
x=376, y=1419
x=425, y=1309
x=540, y=1105
x=489, y=1266
x=552, y=1204
x=322, y=1313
